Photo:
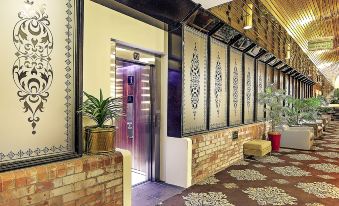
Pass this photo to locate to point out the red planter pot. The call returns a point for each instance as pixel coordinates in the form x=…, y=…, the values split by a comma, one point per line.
x=275, y=137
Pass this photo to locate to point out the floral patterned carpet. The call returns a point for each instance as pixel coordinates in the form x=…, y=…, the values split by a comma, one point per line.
x=290, y=177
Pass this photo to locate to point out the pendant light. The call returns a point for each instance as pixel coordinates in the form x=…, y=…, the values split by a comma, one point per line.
x=248, y=16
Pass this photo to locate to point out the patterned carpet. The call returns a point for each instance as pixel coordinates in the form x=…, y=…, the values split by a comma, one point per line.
x=290, y=177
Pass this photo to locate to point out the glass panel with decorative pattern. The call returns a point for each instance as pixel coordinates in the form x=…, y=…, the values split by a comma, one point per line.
x=194, y=81
x=236, y=79
x=218, y=85
x=249, y=90
x=261, y=88
x=37, y=80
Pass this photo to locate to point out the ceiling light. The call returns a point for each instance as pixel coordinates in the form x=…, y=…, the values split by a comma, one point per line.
x=248, y=16
x=306, y=21
x=288, y=51
x=207, y=4
x=120, y=49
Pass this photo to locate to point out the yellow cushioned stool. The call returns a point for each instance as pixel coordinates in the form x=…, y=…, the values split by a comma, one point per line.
x=257, y=148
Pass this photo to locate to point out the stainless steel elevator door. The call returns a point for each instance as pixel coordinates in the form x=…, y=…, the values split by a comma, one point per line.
x=134, y=128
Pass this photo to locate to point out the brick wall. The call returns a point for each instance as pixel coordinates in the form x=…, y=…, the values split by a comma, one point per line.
x=214, y=151
x=90, y=180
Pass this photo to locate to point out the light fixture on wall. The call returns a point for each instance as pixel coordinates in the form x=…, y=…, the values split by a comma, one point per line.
x=288, y=51
x=248, y=16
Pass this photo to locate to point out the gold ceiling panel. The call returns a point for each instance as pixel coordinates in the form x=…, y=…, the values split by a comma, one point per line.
x=266, y=31
x=278, y=23
x=306, y=20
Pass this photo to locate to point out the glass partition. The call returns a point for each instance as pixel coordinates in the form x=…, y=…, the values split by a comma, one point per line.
x=218, y=85
x=40, y=81
x=261, y=88
x=249, y=89
x=269, y=76
x=236, y=87
x=194, y=100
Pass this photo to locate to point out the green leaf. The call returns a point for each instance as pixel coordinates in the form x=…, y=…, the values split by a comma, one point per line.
x=101, y=110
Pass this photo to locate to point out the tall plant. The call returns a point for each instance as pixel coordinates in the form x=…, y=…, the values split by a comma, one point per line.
x=101, y=109
x=303, y=109
x=312, y=108
x=295, y=112
x=273, y=98
x=335, y=97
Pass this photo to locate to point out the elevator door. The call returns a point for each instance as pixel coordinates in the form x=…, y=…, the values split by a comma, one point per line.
x=134, y=128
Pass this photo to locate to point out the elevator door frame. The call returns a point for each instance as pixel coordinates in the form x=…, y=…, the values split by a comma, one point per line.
x=153, y=155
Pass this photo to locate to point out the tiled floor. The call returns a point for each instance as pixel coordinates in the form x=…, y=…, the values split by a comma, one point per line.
x=153, y=193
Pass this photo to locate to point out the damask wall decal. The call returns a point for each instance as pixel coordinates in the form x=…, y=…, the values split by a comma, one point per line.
x=260, y=82
x=270, y=78
x=281, y=80
x=40, y=49
x=195, y=80
x=261, y=88
x=194, y=84
x=69, y=72
x=218, y=85
x=32, y=72
x=235, y=87
x=249, y=91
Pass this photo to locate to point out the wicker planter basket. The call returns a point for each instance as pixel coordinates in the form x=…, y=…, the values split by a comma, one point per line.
x=100, y=140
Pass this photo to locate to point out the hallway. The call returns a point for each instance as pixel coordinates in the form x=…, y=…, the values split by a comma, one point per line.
x=290, y=177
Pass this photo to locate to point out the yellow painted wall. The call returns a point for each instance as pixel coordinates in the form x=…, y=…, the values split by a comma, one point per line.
x=102, y=24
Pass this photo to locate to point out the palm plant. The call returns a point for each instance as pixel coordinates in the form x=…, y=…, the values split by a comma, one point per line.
x=101, y=110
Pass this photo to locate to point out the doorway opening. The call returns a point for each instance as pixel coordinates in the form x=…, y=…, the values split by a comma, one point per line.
x=133, y=82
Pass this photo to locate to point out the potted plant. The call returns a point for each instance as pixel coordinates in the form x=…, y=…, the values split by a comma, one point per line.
x=274, y=99
x=305, y=110
x=101, y=136
x=294, y=113
x=312, y=108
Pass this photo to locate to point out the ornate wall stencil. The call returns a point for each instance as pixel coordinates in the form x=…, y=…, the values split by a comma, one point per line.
x=296, y=90
x=235, y=86
x=260, y=89
x=281, y=80
x=293, y=94
x=32, y=72
x=236, y=89
x=269, y=80
x=269, y=77
x=37, y=78
x=249, y=89
x=289, y=82
x=276, y=78
x=194, y=81
x=218, y=84
x=287, y=85
x=302, y=89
